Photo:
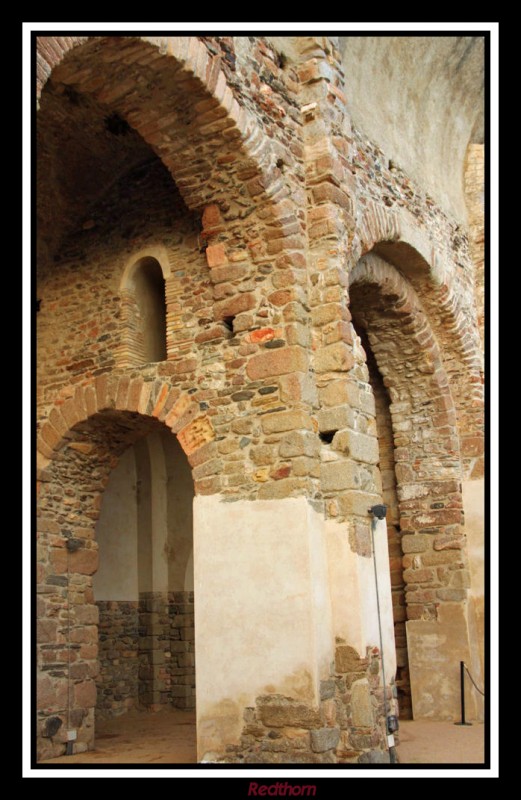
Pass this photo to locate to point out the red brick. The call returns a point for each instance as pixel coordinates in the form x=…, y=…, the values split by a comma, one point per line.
x=179, y=409
x=144, y=397
x=211, y=217
x=101, y=391
x=261, y=335
x=50, y=437
x=57, y=421
x=160, y=400
x=122, y=392
x=90, y=400
x=216, y=255
x=134, y=391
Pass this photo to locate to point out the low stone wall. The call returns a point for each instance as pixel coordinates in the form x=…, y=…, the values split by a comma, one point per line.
x=347, y=727
x=182, y=649
x=118, y=656
x=146, y=652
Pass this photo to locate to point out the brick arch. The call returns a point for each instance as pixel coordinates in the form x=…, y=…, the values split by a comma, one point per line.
x=427, y=457
x=232, y=148
x=123, y=392
x=445, y=300
x=87, y=430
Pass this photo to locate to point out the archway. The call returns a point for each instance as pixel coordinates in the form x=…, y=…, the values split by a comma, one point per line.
x=87, y=509
x=405, y=363
x=144, y=584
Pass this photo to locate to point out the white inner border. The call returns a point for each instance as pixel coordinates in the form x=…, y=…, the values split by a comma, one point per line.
x=263, y=776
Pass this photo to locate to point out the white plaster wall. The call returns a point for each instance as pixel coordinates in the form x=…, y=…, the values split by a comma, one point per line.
x=321, y=598
x=159, y=532
x=369, y=599
x=180, y=495
x=274, y=584
x=255, y=615
x=116, y=533
x=353, y=594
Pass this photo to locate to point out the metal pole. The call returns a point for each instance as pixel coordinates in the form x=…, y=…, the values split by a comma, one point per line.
x=462, y=693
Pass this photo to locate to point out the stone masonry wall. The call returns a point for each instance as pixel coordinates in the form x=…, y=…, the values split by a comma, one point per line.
x=146, y=653
x=182, y=649
x=345, y=728
x=118, y=635
x=247, y=174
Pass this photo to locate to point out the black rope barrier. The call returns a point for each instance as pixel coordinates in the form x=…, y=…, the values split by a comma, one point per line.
x=473, y=681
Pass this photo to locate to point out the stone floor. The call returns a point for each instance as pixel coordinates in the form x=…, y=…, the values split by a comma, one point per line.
x=430, y=742
x=138, y=737
x=168, y=737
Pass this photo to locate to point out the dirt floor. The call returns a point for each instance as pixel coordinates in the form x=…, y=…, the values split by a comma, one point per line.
x=429, y=742
x=168, y=737
x=139, y=737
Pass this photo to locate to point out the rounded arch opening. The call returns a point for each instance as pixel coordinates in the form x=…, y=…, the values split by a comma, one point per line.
x=145, y=313
x=116, y=604
x=419, y=455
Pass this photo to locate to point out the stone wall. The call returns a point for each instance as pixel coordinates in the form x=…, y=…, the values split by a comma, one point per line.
x=275, y=224
x=182, y=649
x=146, y=653
x=390, y=498
x=118, y=636
x=345, y=728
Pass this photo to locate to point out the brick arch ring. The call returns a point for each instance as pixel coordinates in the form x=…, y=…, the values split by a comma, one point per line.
x=371, y=270
x=169, y=55
x=122, y=392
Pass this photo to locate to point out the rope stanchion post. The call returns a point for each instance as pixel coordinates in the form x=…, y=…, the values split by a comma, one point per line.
x=462, y=694
x=462, y=669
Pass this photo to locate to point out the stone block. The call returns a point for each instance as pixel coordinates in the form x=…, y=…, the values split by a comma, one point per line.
x=338, y=475
x=333, y=419
x=277, y=362
x=285, y=421
x=85, y=694
x=348, y=660
x=84, y=561
x=361, y=707
x=242, y=302
x=335, y=357
x=287, y=487
x=278, y=711
x=299, y=443
x=356, y=445
x=353, y=502
x=324, y=739
x=416, y=543
x=374, y=757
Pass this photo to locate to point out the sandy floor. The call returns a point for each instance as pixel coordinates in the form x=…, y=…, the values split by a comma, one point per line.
x=429, y=742
x=138, y=737
x=168, y=737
